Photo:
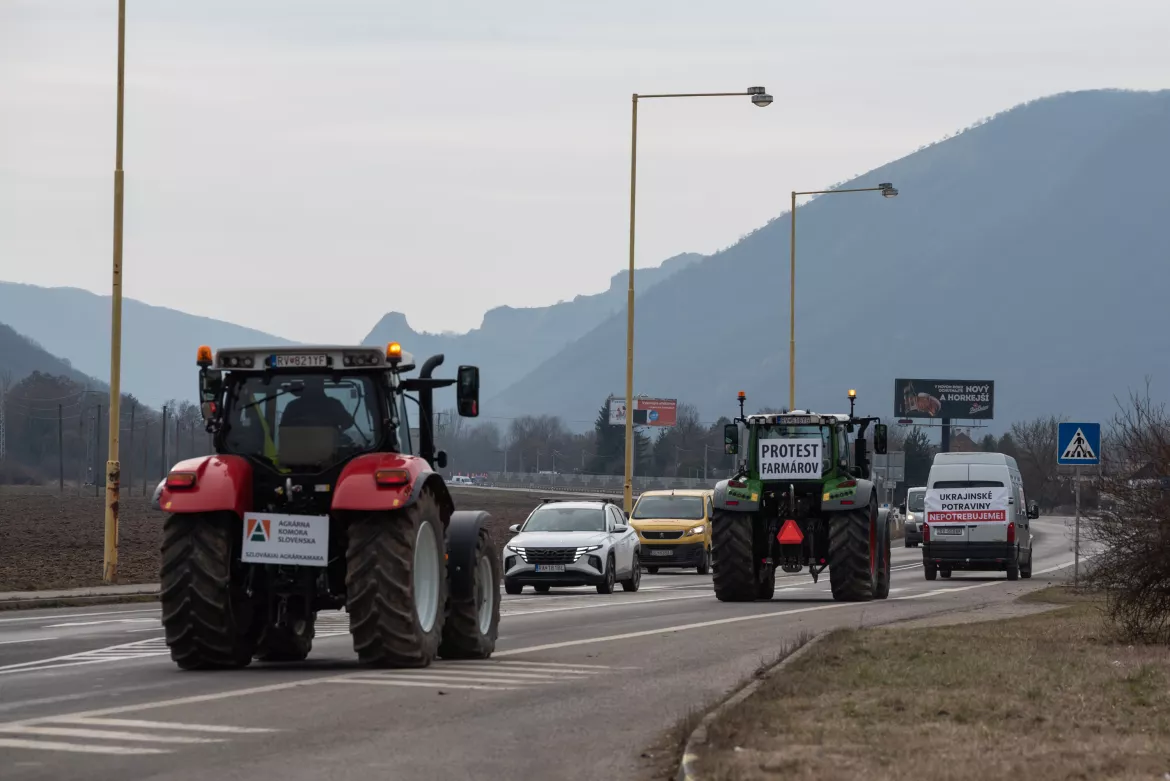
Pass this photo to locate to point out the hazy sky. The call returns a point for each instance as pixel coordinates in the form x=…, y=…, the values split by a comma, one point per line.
x=305, y=167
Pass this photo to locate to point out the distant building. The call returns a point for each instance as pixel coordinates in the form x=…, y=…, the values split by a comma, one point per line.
x=961, y=442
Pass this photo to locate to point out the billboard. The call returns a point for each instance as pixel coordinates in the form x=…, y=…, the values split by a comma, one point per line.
x=647, y=412
x=946, y=399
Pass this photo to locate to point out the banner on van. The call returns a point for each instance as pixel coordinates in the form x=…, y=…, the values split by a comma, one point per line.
x=949, y=399
x=967, y=505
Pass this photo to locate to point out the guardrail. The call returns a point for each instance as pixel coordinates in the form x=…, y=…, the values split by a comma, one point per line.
x=591, y=484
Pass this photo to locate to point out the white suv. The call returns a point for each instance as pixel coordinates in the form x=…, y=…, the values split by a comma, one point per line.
x=572, y=543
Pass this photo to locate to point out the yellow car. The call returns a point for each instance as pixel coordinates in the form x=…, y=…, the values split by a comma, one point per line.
x=674, y=529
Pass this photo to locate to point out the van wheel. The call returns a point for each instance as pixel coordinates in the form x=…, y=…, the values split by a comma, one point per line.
x=931, y=571
x=1026, y=570
x=1013, y=570
x=945, y=572
x=704, y=567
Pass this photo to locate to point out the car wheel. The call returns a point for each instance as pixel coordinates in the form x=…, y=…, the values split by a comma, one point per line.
x=652, y=570
x=542, y=589
x=704, y=567
x=606, y=587
x=945, y=572
x=512, y=588
x=633, y=582
x=908, y=544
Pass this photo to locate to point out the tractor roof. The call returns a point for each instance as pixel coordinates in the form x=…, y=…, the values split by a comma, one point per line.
x=309, y=358
x=798, y=418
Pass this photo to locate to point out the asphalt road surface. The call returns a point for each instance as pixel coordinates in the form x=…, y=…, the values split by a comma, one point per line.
x=579, y=685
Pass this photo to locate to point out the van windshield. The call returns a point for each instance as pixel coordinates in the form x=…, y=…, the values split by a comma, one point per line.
x=916, y=501
x=968, y=484
x=680, y=508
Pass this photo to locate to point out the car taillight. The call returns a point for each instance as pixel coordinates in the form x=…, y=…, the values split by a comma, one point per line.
x=925, y=532
x=181, y=480
x=1011, y=531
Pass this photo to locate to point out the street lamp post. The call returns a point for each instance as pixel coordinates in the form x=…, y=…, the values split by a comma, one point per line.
x=113, y=467
x=888, y=191
x=759, y=97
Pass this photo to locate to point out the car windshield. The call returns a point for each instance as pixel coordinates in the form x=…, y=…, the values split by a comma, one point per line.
x=682, y=508
x=916, y=501
x=566, y=519
x=308, y=420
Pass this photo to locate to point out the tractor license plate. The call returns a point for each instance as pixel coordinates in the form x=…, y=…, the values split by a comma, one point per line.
x=291, y=540
x=550, y=567
x=661, y=552
x=301, y=361
x=950, y=531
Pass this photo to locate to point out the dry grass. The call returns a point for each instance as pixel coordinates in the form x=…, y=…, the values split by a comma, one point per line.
x=1041, y=697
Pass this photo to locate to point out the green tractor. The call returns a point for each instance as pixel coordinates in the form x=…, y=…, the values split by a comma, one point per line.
x=802, y=496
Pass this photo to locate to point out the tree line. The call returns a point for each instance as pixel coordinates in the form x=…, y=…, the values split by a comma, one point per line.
x=57, y=429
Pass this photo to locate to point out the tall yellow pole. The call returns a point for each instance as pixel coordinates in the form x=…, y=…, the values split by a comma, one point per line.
x=792, y=309
x=113, y=468
x=629, y=487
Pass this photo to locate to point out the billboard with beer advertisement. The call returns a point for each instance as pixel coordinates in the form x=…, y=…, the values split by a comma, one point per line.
x=945, y=399
x=656, y=413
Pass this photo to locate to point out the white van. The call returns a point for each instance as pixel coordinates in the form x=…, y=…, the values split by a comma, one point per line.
x=976, y=517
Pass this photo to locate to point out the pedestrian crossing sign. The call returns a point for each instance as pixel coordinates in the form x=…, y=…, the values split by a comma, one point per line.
x=1078, y=444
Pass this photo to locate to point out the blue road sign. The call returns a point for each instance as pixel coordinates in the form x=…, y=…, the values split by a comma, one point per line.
x=1078, y=444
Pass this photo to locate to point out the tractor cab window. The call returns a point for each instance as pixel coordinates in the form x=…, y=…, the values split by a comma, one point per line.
x=403, y=431
x=308, y=422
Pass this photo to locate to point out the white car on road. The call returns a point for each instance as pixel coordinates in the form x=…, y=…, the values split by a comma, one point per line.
x=572, y=543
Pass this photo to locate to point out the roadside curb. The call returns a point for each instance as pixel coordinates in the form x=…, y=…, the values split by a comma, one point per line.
x=687, y=770
x=29, y=600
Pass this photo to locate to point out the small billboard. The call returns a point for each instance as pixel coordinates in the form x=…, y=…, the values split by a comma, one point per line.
x=945, y=399
x=657, y=413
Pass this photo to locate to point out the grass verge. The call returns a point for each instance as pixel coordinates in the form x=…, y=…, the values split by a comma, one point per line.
x=1046, y=696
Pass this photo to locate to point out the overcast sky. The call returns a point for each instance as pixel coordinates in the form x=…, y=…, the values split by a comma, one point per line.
x=304, y=167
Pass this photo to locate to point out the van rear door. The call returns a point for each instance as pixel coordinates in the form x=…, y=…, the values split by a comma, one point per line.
x=995, y=498
x=944, y=528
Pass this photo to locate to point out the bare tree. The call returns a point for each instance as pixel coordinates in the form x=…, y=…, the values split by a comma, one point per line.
x=1133, y=565
x=1035, y=442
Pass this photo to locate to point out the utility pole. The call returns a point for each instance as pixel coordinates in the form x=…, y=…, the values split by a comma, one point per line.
x=3, y=417
x=162, y=459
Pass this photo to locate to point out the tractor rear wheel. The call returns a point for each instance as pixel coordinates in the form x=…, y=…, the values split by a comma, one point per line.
x=396, y=584
x=852, y=551
x=731, y=551
x=882, y=589
x=286, y=643
x=208, y=619
x=473, y=623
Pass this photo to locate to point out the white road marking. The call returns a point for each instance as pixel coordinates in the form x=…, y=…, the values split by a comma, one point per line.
x=78, y=615
x=103, y=621
x=29, y=640
x=428, y=684
x=619, y=603
x=101, y=734
x=154, y=646
x=164, y=725
x=79, y=748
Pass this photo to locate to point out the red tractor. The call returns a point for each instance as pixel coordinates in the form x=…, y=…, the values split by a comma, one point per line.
x=317, y=499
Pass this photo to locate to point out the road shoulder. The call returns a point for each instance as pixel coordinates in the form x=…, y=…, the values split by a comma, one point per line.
x=1043, y=692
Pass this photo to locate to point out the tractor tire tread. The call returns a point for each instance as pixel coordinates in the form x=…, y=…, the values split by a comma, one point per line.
x=462, y=638
x=732, y=557
x=849, y=565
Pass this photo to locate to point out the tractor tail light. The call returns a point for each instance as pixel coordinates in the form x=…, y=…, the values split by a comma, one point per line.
x=392, y=477
x=181, y=480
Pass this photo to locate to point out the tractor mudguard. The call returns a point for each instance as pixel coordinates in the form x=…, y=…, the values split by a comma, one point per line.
x=857, y=497
x=356, y=488
x=742, y=498
x=221, y=483
x=462, y=542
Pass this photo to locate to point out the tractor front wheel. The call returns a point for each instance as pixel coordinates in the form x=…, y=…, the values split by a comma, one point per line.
x=853, y=549
x=396, y=584
x=882, y=588
x=473, y=623
x=731, y=552
x=208, y=618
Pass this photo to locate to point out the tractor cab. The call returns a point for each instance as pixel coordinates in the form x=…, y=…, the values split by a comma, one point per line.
x=301, y=414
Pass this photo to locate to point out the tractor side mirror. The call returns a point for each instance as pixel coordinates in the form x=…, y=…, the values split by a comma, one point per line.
x=207, y=409
x=731, y=438
x=210, y=389
x=880, y=442
x=441, y=459
x=467, y=392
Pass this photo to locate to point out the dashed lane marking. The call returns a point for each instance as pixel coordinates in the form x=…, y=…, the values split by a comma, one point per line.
x=30, y=735
x=488, y=676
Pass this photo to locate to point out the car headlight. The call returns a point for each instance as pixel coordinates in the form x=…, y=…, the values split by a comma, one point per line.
x=587, y=549
x=512, y=548
x=697, y=530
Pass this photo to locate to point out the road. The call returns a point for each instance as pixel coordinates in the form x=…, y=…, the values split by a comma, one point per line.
x=579, y=685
